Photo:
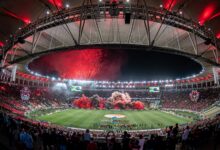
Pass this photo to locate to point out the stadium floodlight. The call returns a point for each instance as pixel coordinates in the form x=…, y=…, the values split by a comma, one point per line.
x=169, y=85
x=67, y=5
x=60, y=84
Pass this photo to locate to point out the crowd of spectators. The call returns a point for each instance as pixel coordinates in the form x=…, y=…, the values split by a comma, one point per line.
x=43, y=98
x=26, y=134
x=23, y=135
x=181, y=99
x=10, y=99
x=46, y=98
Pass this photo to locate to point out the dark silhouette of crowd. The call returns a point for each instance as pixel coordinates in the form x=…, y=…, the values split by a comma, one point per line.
x=22, y=135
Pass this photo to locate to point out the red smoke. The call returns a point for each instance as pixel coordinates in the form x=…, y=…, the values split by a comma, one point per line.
x=88, y=64
x=207, y=13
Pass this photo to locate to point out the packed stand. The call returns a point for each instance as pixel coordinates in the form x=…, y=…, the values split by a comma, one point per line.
x=24, y=135
x=40, y=99
x=181, y=99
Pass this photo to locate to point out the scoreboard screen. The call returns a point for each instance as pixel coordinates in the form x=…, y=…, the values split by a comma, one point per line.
x=75, y=88
x=154, y=89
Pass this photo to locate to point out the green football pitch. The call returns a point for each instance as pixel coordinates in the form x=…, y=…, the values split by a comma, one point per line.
x=93, y=119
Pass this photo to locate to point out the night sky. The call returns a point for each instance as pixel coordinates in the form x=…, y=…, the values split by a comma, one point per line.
x=149, y=65
x=99, y=64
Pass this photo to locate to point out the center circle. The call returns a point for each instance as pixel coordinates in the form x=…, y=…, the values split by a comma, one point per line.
x=118, y=116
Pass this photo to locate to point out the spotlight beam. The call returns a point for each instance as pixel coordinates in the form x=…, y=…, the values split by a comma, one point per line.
x=15, y=16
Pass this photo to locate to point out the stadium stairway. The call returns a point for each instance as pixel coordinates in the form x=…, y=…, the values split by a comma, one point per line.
x=212, y=111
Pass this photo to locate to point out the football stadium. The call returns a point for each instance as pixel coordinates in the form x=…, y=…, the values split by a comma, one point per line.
x=110, y=75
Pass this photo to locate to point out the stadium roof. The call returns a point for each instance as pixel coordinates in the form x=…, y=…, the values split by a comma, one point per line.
x=17, y=13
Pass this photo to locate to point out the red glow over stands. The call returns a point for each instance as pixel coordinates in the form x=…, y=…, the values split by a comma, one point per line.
x=31, y=77
x=192, y=80
x=207, y=13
